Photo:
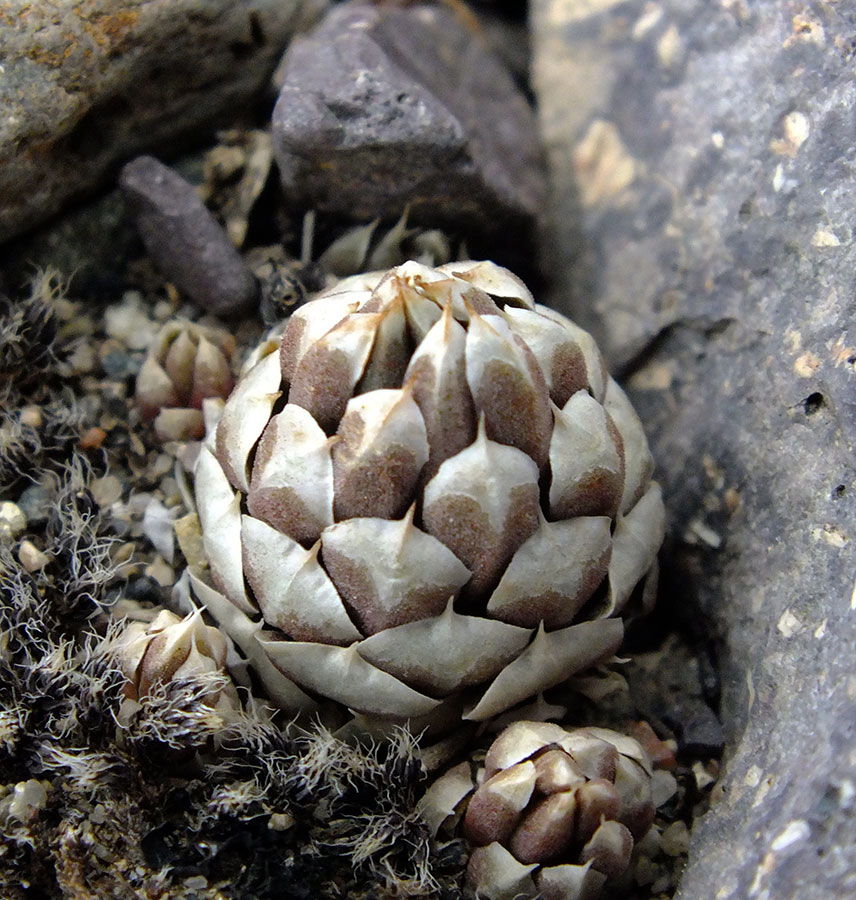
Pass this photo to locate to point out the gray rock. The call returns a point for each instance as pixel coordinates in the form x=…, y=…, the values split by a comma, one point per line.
x=184, y=239
x=82, y=86
x=705, y=152
x=385, y=106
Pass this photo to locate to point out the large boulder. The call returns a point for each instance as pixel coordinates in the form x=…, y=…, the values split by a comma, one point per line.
x=703, y=156
x=84, y=85
x=387, y=106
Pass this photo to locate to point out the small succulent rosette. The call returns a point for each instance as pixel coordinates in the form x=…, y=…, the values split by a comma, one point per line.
x=187, y=363
x=552, y=814
x=171, y=648
x=426, y=502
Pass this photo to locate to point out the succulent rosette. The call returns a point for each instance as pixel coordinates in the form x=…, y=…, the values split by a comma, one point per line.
x=171, y=648
x=427, y=501
x=553, y=813
x=186, y=364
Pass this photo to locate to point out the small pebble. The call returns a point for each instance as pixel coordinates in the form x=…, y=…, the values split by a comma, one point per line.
x=161, y=571
x=106, y=490
x=130, y=323
x=35, y=503
x=280, y=821
x=92, y=438
x=647, y=871
x=12, y=520
x=83, y=359
x=99, y=815
x=31, y=558
x=32, y=416
x=28, y=798
x=675, y=840
x=119, y=364
x=664, y=786
x=189, y=535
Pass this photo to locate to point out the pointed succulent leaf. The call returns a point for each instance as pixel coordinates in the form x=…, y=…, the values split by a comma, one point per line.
x=179, y=362
x=155, y=389
x=348, y=253
x=283, y=575
x=496, y=807
x=220, y=519
x=639, y=464
x=553, y=573
x=437, y=377
x=492, y=279
x=609, y=849
x=380, y=453
x=586, y=460
x=637, y=539
x=391, y=349
x=570, y=882
x=556, y=771
x=508, y=387
x=211, y=376
x=546, y=831
x=595, y=365
x=548, y=660
x=597, y=799
x=633, y=784
x=389, y=572
x=596, y=757
x=625, y=745
x=559, y=356
x=343, y=675
x=445, y=653
x=388, y=252
x=482, y=503
x=245, y=416
x=494, y=874
x=244, y=632
x=292, y=482
x=312, y=321
x=519, y=741
x=444, y=795
x=327, y=372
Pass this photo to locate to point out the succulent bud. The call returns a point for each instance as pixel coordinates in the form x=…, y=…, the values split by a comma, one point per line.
x=186, y=364
x=170, y=647
x=553, y=813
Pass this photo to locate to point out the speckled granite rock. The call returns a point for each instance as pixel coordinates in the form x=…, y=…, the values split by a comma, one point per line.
x=712, y=145
x=384, y=106
x=85, y=83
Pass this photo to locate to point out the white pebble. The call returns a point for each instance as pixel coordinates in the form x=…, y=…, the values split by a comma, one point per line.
x=12, y=520
x=31, y=558
x=675, y=840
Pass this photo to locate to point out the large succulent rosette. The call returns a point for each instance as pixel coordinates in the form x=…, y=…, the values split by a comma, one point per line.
x=427, y=501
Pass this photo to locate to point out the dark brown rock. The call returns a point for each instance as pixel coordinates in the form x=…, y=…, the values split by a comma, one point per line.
x=703, y=160
x=184, y=239
x=384, y=106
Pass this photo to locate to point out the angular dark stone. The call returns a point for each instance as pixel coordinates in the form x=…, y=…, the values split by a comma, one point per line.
x=384, y=106
x=703, y=161
x=184, y=239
